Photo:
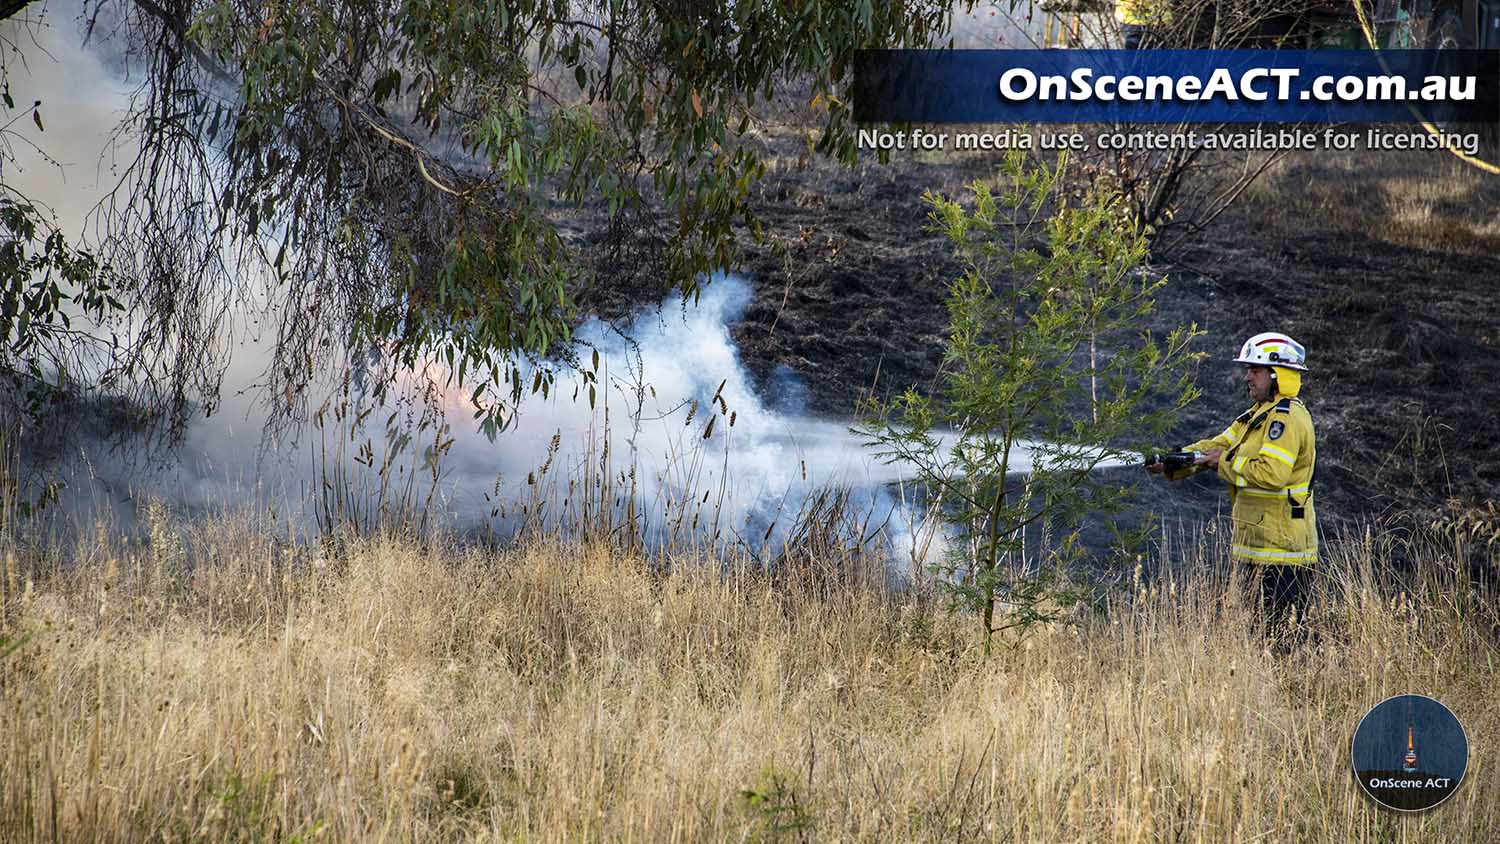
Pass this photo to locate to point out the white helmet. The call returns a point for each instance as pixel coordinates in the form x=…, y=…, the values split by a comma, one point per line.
x=1272, y=349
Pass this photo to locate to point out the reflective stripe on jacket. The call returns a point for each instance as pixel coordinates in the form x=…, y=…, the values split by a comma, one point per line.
x=1269, y=471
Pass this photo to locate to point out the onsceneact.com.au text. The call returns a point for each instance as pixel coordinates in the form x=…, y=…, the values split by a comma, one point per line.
x=1255, y=84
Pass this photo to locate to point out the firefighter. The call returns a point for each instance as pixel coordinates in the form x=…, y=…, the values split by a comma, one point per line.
x=1137, y=18
x=1267, y=457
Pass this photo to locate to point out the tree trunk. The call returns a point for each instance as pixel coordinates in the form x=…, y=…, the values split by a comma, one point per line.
x=992, y=547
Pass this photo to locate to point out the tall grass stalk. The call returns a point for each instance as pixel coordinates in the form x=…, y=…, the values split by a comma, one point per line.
x=402, y=691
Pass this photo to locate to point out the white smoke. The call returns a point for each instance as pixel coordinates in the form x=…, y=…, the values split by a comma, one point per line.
x=67, y=162
x=663, y=380
x=683, y=428
x=687, y=433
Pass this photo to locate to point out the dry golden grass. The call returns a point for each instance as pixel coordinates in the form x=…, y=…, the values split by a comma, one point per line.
x=401, y=691
x=1422, y=199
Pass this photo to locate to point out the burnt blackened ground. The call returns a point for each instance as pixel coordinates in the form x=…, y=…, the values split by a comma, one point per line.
x=1385, y=268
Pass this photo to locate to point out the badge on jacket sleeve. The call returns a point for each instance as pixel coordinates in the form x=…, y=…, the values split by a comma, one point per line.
x=1276, y=429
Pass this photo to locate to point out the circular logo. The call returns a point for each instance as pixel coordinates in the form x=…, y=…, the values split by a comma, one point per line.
x=1410, y=753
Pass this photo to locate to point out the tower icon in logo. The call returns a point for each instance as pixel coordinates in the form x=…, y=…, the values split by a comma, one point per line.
x=1409, y=762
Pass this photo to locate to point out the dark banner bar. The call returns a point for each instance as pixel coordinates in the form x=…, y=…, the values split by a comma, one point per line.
x=1171, y=86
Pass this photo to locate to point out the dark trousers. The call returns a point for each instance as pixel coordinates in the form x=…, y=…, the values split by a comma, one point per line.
x=1276, y=591
x=1134, y=36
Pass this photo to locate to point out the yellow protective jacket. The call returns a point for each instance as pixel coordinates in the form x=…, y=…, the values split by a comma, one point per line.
x=1270, y=453
x=1142, y=12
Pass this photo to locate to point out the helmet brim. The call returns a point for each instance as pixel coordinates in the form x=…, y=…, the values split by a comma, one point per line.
x=1297, y=366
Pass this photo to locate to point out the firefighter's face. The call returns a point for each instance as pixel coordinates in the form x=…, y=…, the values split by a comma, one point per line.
x=1258, y=382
